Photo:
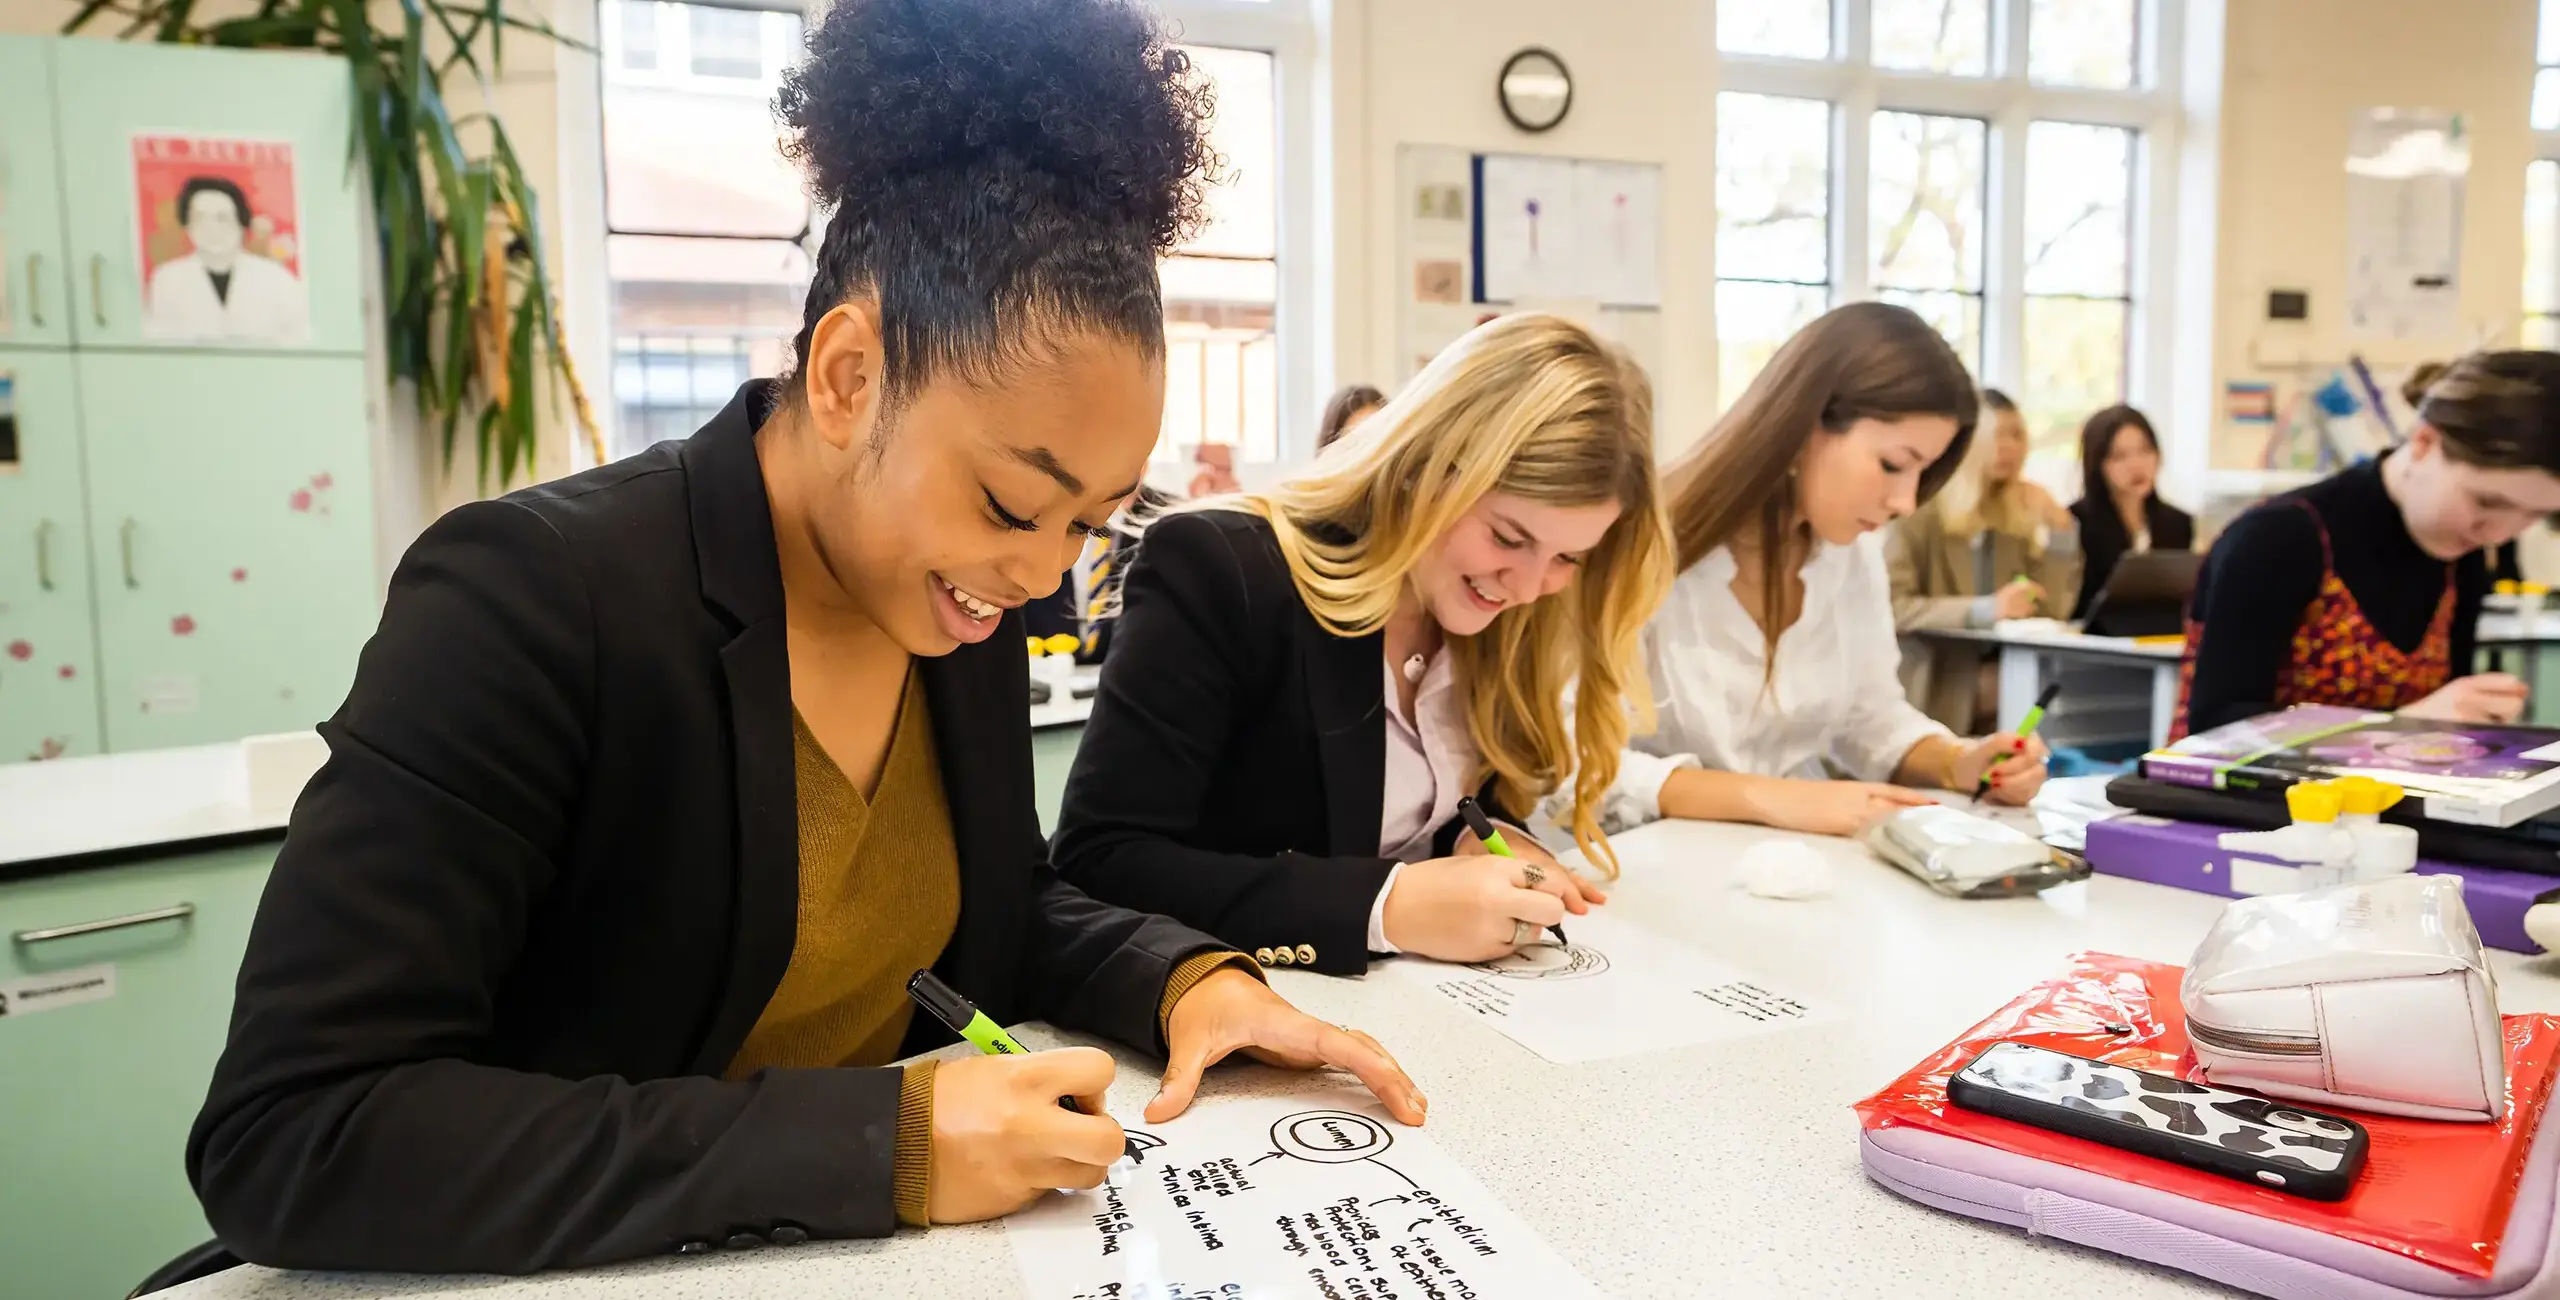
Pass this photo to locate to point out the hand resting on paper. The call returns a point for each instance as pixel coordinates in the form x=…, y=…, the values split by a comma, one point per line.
x=2481, y=697
x=1466, y=908
x=1231, y=1011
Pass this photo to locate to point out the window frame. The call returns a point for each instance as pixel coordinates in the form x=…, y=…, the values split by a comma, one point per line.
x=2009, y=102
x=1287, y=30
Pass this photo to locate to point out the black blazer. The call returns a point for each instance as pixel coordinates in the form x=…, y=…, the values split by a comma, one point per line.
x=1234, y=770
x=548, y=880
x=2104, y=540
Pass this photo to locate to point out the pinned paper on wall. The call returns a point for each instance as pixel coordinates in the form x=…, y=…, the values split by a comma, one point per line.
x=1614, y=991
x=1568, y=228
x=9, y=462
x=1317, y=1195
x=2405, y=174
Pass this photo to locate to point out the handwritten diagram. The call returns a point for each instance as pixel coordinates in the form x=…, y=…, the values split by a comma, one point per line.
x=1285, y=1196
x=1618, y=990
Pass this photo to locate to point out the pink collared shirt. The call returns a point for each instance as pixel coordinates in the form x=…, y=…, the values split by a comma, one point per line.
x=1429, y=759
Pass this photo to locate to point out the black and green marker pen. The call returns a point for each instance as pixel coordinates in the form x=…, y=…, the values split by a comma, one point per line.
x=1491, y=837
x=962, y=1017
x=2026, y=727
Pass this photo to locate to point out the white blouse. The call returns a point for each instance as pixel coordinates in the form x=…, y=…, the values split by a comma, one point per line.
x=1835, y=700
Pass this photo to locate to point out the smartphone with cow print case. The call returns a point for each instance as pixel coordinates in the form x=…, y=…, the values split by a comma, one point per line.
x=2305, y=1152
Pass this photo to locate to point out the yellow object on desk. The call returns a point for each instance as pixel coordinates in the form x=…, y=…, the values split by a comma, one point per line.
x=2165, y=638
x=1061, y=644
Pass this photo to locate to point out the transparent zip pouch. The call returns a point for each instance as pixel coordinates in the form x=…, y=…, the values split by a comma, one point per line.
x=1964, y=856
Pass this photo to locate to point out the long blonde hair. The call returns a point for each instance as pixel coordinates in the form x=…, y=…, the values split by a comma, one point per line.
x=1972, y=502
x=1536, y=406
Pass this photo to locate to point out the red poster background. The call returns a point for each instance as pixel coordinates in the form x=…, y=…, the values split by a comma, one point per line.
x=163, y=164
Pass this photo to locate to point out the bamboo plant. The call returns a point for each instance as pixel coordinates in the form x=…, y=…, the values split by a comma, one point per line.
x=473, y=321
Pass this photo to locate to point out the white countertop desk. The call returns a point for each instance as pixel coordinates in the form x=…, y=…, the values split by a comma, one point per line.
x=1727, y=1169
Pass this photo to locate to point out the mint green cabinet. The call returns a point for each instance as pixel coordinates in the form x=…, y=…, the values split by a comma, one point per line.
x=48, y=646
x=35, y=307
x=187, y=541
x=231, y=514
x=98, y=1097
x=109, y=94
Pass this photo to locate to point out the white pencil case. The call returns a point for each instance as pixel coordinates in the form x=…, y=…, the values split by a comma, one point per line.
x=2375, y=996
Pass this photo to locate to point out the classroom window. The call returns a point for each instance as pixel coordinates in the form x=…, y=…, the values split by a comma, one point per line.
x=1221, y=290
x=1924, y=221
x=2546, y=76
x=1773, y=228
x=1949, y=36
x=2093, y=43
x=2541, y=254
x=707, y=223
x=1791, y=29
x=2079, y=276
x=1978, y=161
x=638, y=30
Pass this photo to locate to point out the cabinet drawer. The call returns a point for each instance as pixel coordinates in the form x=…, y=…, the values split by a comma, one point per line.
x=98, y=1096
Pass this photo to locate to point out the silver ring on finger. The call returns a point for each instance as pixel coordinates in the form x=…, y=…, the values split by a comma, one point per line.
x=1521, y=933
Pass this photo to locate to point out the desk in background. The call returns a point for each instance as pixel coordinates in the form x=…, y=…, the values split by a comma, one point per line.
x=1723, y=1169
x=2032, y=650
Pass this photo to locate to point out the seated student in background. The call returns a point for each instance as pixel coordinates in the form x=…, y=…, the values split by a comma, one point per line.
x=1308, y=679
x=2120, y=510
x=1991, y=546
x=2364, y=589
x=1345, y=411
x=591, y=939
x=1774, y=658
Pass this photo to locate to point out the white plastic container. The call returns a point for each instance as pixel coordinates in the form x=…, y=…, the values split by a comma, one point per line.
x=2381, y=849
x=2325, y=851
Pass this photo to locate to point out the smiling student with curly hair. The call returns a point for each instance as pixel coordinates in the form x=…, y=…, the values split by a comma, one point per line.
x=591, y=939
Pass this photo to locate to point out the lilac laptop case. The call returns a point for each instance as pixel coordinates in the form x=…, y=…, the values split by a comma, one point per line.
x=2187, y=855
x=2258, y=1255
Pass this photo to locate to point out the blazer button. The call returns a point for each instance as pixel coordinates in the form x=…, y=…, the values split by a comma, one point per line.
x=1264, y=956
x=1284, y=957
x=788, y=1234
x=1306, y=954
x=694, y=1248
x=744, y=1241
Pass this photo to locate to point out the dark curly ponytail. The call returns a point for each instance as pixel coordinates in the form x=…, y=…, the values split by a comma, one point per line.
x=1001, y=171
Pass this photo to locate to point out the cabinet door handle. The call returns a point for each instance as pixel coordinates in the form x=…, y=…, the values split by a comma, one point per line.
x=124, y=543
x=98, y=287
x=35, y=290
x=44, y=555
x=178, y=912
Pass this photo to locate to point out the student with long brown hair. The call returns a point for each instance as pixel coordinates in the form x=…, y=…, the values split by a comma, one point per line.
x=2120, y=510
x=1773, y=661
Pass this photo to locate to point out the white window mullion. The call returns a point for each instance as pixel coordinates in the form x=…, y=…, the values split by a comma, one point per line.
x=1853, y=27
x=1852, y=126
x=2004, y=304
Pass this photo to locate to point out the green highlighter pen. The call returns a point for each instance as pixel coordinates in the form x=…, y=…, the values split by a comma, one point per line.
x=1491, y=837
x=962, y=1017
x=2026, y=727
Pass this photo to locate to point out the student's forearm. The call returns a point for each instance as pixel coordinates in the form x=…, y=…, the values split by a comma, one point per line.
x=1931, y=764
x=1706, y=795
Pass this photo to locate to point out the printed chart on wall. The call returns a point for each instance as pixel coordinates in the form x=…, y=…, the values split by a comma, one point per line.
x=2405, y=174
x=219, y=229
x=1568, y=228
x=1317, y=1195
x=1614, y=991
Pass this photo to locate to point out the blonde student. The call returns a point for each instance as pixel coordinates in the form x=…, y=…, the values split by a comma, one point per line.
x=1308, y=680
x=1991, y=546
x=1773, y=661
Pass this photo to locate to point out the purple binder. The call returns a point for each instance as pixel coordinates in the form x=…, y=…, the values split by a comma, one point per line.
x=2187, y=855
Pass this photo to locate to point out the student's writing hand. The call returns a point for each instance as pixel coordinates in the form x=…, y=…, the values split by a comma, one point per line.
x=1831, y=807
x=1467, y=908
x=2017, y=600
x=2015, y=765
x=1000, y=1138
x=1554, y=877
x=2481, y=697
x=1231, y=1011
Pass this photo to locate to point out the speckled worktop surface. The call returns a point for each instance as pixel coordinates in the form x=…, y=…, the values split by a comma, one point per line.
x=1727, y=1169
